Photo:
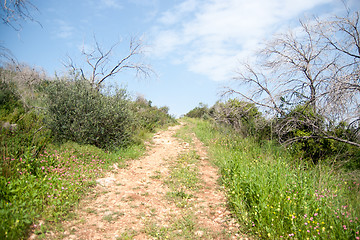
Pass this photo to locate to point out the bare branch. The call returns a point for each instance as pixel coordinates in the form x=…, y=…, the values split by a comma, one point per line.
x=14, y=11
x=290, y=141
x=316, y=69
x=100, y=62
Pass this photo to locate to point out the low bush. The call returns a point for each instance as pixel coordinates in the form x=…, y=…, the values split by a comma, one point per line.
x=79, y=113
x=304, y=131
x=202, y=111
x=25, y=134
x=147, y=117
x=243, y=117
x=10, y=106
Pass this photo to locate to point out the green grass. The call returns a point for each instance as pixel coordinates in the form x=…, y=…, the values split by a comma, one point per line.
x=184, y=133
x=184, y=178
x=183, y=227
x=49, y=186
x=274, y=197
x=112, y=216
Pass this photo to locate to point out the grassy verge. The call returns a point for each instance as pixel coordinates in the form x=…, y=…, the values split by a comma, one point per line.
x=275, y=197
x=184, y=179
x=184, y=133
x=50, y=186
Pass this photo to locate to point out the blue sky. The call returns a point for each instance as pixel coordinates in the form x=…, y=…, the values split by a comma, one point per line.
x=194, y=46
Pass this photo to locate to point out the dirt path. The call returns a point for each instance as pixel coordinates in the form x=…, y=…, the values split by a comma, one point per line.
x=139, y=201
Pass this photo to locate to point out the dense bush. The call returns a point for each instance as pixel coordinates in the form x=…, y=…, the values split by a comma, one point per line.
x=149, y=117
x=10, y=106
x=202, y=111
x=243, y=117
x=305, y=133
x=79, y=113
x=296, y=126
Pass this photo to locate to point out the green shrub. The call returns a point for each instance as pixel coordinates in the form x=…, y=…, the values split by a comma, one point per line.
x=10, y=106
x=306, y=131
x=243, y=117
x=149, y=117
x=79, y=113
x=202, y=111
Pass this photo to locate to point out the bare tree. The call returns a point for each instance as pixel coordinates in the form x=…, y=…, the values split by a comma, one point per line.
x=343, y=36
x=6, y=55
x=292, y=69
x=258, y=89
x=101, y=67
x=14, y=11
x=307, y=67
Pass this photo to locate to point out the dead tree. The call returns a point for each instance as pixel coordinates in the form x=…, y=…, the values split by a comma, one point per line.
x=343, y=36
x=305, y=68
x=101, y=67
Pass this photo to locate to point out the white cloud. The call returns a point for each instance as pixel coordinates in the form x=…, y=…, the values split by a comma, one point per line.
x=111, y=4
x=166, y=42
x=63, y=29
x=212, y=36
x=175, y=15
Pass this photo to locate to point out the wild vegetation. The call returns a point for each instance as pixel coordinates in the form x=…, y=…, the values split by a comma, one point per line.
x=275, y=195
x=288, y=144
x=57, y=137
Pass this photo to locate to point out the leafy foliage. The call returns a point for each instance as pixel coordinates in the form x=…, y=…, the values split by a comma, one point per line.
x=243, y=117
x=202, y=111
x=149, y=117
x=9, y=101
x=22, y=131
x=79, y=113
